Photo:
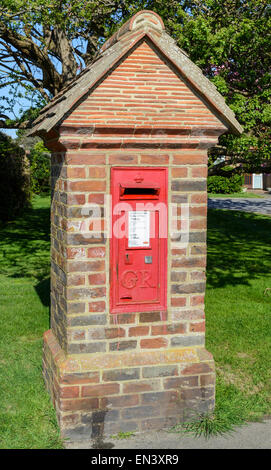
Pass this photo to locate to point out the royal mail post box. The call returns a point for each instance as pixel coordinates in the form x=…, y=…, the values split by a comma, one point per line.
x=138, y=271
x=126, y=348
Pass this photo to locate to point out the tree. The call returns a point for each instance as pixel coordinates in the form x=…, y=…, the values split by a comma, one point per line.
x=14, y=179
x=44, y=44
x=231, y=42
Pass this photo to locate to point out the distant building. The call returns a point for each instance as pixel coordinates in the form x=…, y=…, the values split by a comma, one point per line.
x=257, y=181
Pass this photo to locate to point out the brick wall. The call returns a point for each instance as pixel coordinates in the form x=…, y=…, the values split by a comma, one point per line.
x=80, y=258
x=107, y=393
x=144, y=91
x=128, y=371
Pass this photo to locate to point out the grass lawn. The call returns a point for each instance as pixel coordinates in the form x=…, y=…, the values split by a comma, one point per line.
x=27, y=418
x=237, y=311
x=236, y=195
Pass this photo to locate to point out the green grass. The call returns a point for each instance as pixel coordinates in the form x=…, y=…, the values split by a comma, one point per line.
x=27, y=418
x=236, y=195
x=238, y=307
x=238, y=319
x=238, y=330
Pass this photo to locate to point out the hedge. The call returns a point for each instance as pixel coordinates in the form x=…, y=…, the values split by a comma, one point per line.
x=224, y=185
x=14, y=179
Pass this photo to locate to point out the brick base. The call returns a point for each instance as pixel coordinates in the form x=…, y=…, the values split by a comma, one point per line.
x=126, y=391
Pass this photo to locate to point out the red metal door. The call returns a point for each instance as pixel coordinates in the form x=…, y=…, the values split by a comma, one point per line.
x=139, y=239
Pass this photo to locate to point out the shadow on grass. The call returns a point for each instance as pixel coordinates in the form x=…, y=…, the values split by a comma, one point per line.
x=25, y=243
x=239, y=247
x=43, y=291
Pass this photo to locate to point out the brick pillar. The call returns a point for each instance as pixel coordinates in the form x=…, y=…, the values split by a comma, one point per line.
x=141, y=103
x=131, y=371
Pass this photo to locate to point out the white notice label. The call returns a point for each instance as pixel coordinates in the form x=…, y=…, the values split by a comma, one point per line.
x=138, y=229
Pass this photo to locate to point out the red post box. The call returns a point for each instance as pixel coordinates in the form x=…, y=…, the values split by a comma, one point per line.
x=138, y=267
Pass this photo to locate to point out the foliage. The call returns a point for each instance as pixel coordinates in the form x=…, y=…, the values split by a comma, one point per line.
x=224, y=185
x=14, y=179
x=231, y=42
x=44, y=44
x=39, y=169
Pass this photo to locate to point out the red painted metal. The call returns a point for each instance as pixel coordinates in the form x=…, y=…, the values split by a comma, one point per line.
x=138, y=249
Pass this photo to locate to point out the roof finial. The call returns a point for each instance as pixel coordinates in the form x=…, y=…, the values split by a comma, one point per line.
x=143, y=19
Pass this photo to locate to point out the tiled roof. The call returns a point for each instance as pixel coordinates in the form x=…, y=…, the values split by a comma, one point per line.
x=143, y=26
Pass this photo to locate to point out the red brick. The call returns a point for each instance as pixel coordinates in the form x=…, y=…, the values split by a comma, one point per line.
x=77, y=199
x=96, y=198
x=96, y=252
x=197, y=300
x=179, y=172
x=177, y=382
x=198, y=368
x=199, y=172
x=99, y=390
x=152, y=343
x=139, y=331
x=79, y=404
x=198, y=224
x=197, y=327
x=88, y=185
x=155, y=159
x=122, y=159
x=85, y=158
x=195, y=158
x=178, y=301
x=76, y=172
x=197, y=211
x=69, y=392
x=114, y=332
x=178, y=251
x=199, y=199
x=171, y=329
x=98, y=172
x=80, y=378
x=97, y=279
